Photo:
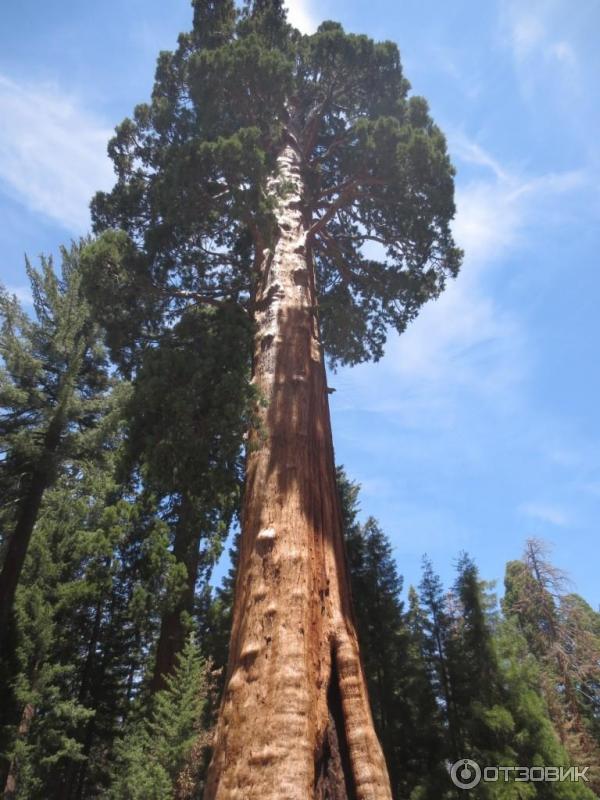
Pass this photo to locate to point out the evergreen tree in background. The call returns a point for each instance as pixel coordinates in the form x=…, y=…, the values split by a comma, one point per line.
x=187, y=418
x=264, y=164
x=54, y=389
x=562, y=632
x=428, y=763
x=53, y=383
x=532, y=738
x=155, y=759
x=481, y=722
x=436, y=621
x=216, y=626
x=402, y=699
x=487, y=686
x=87, y=613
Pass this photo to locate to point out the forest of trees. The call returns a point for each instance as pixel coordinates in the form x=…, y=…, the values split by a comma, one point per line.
x=106, y=599
x=166, y=396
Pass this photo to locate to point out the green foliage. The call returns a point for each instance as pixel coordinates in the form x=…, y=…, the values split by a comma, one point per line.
x=152, y=756
x=402, y=699
x=53, y=374
x=54, y=396
x=563, y=633
x=216, y=625
x=191, y=213
x=189, y=412
x=494, y=711
x=87, y=610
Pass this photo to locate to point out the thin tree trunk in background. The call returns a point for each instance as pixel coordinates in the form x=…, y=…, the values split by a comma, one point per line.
x=10, y=788
x=27, y=513
x=17, y=547
x=172, y=627
x=295, y=721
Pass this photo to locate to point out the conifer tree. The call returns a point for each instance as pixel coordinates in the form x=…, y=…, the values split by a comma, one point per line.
x=153, y=759
x=564, y=639
x=257, y=176
x=52, y=386
x=497, y=715
x=187, y=417
x=426, y=764
x=402, y=699
x=87, y=614
x=216, y=627
x=473, y=668
x=533, y=739
x=437, y=628
x=53, y=392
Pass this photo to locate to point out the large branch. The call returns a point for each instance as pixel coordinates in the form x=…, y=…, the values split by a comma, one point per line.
x=320, y=223
x=348, y=192
x=331, y=248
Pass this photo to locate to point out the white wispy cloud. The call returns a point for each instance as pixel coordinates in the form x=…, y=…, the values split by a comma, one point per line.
x=544, y=512
x=52, y=152
x=302, y=15
x=465, y=345
x=536, y=30
x=495, y=208
x=542, y=36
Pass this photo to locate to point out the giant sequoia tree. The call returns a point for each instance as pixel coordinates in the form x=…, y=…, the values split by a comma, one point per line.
x=292, y=179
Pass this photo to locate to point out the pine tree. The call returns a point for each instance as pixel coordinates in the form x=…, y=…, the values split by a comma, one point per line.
x=564, y=639
x=216, y=629
x=402, y=699
x=87, y=610
x=533, y=740
x=427, y=762
x=53, y=391
x=473, y=667
x=53, y=382
x=264, y=165
x=499, y=714
x=437, y=629
x=582, y=626
x=153, y=758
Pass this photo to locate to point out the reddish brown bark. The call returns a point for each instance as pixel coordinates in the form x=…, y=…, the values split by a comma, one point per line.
x=10, y=788
x=295, y=721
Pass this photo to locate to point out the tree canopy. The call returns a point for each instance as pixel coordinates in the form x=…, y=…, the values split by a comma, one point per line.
x=190, y=215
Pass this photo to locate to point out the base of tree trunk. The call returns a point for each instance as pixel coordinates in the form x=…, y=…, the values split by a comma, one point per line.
x=333, y=771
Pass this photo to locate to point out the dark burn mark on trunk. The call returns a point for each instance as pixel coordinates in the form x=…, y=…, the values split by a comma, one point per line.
x=333, y=771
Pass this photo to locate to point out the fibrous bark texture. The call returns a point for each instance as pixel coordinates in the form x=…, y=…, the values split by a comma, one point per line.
x=295, y=721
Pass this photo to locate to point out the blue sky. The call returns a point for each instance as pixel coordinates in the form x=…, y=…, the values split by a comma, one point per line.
x=480, y=427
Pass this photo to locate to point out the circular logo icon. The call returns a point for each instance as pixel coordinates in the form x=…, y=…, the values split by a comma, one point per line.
x=465, y=773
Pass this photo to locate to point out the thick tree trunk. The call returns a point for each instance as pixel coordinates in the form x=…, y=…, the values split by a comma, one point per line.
x=295, y=721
